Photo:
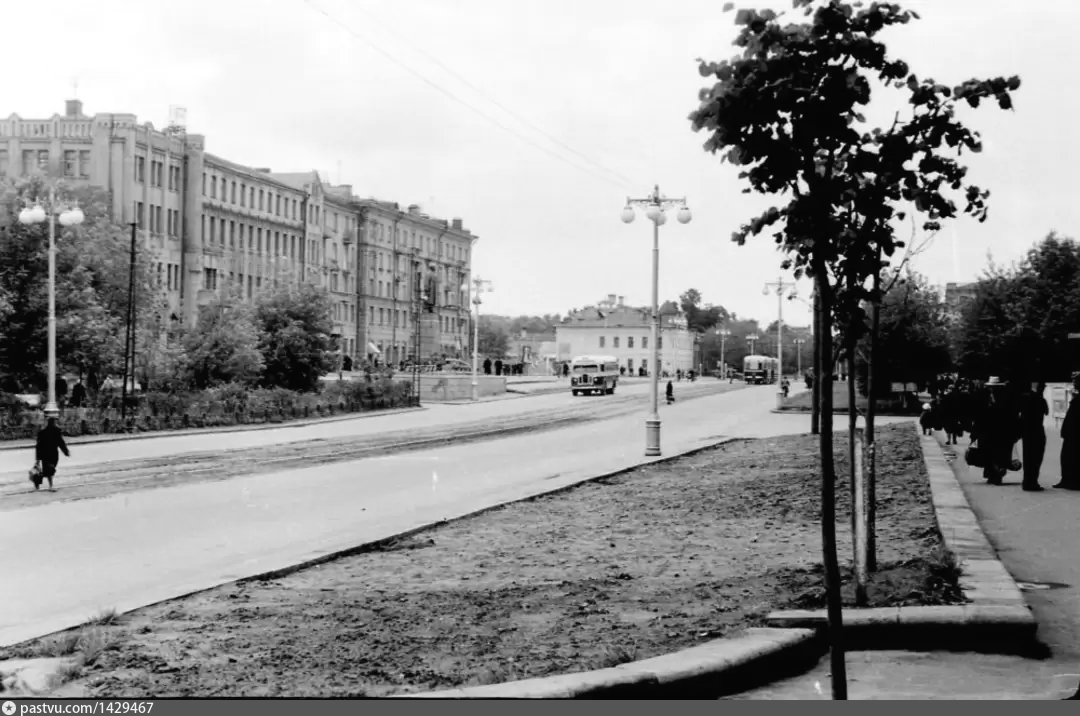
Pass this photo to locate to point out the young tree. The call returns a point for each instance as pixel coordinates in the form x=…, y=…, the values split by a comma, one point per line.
x=294, y=324
x=787, y=109
x=494, y=340
x=223, y=346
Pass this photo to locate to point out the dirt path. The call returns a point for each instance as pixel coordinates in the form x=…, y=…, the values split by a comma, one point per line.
x=649, y=562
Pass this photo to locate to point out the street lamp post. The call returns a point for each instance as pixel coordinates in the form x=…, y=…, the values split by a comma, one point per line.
x=655, y=206
x=479, y=286
x=778, y=287
x=723, y=333
x=798, y=353
x=68, y=217
x=753, y=339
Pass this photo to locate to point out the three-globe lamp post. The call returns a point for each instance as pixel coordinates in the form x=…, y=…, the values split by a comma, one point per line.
x=655, y=206
x=478, y=287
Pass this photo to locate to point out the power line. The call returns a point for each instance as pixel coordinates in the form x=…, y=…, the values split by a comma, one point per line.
x=491, y=99
x=457, y=99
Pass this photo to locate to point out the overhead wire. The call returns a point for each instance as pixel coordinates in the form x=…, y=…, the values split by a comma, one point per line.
x=455, y=98
x=488, y=97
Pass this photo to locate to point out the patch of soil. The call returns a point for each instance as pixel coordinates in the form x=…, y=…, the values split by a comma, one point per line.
x=654, y=560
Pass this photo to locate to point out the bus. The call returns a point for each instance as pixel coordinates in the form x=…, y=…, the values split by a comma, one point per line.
x=594, y=374
x=761, y=370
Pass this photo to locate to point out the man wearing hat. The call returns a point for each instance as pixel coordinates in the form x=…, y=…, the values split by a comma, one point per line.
x=997, y=428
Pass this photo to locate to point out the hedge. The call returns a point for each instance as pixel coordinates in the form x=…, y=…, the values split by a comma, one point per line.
x=226, y=405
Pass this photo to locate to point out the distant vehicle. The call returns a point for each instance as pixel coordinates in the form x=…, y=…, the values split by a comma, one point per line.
x=761, y=370
x=594, y=374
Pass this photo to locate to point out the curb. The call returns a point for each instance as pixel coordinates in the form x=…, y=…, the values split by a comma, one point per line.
x=997, y=620
x=384, y=542
x=807, y=411
x=716, y=668
x=301, y=423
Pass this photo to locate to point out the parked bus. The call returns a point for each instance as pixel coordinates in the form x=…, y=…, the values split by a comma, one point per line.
x=760, y=370
x=594, y=374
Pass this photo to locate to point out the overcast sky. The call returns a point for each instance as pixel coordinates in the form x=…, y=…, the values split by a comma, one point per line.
x=280, y=84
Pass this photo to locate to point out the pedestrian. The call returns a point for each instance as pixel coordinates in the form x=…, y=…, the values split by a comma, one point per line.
x=487, y=366
x=78, y=394
x=949, y=405
x=1033, y=410
x=565, y=370
x=785, y=387
x=926, y=420
x=1070, y=442
x=997, y=428
x=670, y=392
x=498, y=366
x=50, y=442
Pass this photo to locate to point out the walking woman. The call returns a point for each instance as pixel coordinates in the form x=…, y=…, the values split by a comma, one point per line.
x=996, y=430
x=1033, y=412
x=50, y=441
x=1070, y=442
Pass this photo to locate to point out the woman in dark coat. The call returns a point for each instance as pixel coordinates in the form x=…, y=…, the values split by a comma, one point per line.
x=50, y=441
x=1033, y=412
x=1070, y=442
x=997, y=428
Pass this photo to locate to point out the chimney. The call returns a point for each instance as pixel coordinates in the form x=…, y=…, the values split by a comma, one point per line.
x=611, y=299
x=457, y=224
x=621, y=300
x=73, y=108
x=414, y=209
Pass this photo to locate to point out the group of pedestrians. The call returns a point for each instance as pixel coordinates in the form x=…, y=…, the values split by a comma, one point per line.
x=998, y=416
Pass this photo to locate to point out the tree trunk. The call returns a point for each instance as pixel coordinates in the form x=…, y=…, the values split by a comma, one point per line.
x=828, y=493
x=870, y=491
x=815, y=383
x=858, y=487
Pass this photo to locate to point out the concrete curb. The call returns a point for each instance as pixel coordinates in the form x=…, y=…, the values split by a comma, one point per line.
x=807, y=411
x=301, y=423
x=716, y=668
x=997, y=620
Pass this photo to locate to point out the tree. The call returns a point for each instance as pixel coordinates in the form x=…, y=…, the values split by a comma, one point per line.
x=294, y=328
x=92, y=262
x=913, y=340
x=224, y=344
x=700, y=318
x=787, y=109
x=494, y=341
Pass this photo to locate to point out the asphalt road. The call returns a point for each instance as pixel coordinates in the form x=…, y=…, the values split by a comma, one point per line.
x=72, y=559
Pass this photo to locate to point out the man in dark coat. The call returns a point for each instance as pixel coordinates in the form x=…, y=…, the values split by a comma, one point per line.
x=498, y=367
x=50, y=441
x=1033, y=411
x=1070, y=442
x=487, y=366
x=78, y=395
x=997, y=428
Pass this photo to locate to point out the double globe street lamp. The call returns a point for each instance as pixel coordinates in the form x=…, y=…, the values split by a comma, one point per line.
x=479, y=286
x=655, y=206
x=69, y=216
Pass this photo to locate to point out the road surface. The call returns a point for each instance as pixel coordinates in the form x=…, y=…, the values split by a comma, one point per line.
x=70, y=560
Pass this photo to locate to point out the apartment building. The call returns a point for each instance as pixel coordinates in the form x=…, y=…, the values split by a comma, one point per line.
x=212, y=223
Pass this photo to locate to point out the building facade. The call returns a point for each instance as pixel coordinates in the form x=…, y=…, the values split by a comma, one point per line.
x=214, y=225
x=613, y=328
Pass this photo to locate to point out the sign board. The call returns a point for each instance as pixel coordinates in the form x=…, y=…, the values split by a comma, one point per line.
x=911, y=388
x=1060, y=396
x=898, y=387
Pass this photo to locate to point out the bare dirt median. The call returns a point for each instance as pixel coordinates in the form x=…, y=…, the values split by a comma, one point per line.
x=645, y=563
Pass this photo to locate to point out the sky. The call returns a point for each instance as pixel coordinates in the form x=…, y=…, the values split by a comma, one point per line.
x=534, y=121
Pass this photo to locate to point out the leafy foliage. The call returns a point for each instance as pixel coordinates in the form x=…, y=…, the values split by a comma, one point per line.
x=223, y=347
x=494, y=341
x=294, y=328
x=700, y=318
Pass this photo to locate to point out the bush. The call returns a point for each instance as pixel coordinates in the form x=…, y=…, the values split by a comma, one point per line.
x=229, y=404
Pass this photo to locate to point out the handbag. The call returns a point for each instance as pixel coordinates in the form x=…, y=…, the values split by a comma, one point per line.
x=973, y=455
x=1015, y=465
x=36, y=474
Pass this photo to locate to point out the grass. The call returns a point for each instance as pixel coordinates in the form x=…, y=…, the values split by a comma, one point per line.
x=83, y=646
x=803, y=402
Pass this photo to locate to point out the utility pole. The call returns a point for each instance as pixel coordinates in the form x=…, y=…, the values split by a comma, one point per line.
x=798, y=355
x=779, y=286
x=129, y=335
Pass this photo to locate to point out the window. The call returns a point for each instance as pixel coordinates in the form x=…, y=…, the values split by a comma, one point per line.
x=294, y=208
x=232, y=231
x=616, y=342
x=28, y=161
x=213, y=230
x=261, y=195
x=258, y=243
x=210, y=279
x=213, y=187
x=232, y=196
x=3, y=162
x=43, y=160
x=204, y=184
x=140, y=169
x=277, y=205
x=251, y=197
x=222, y=240
x=160, y=224
x=69, y=162
x=644, y=342
x=630, y=343
x=174, y=178
x=629, y=361
x=243, y=195
x=155, y=173
x=601, y=341
x=140, y=214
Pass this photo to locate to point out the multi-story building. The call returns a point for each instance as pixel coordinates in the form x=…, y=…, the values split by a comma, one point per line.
x=613, y=328
x=415, y=275
x=212, y=223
